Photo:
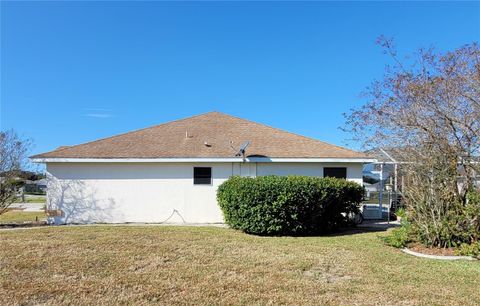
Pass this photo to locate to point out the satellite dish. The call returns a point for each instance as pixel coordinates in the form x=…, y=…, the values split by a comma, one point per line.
x=243, y=148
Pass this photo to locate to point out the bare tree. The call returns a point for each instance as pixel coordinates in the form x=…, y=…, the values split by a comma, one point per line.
x=13, y=152
x=428, y=110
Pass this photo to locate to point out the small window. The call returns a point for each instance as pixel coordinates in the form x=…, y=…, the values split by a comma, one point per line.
x=339, y=172
x=202, y=176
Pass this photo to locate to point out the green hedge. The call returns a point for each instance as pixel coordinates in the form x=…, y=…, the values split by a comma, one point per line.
x=287, y=205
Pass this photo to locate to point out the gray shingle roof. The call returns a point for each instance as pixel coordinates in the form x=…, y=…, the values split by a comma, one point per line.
x=186, y=138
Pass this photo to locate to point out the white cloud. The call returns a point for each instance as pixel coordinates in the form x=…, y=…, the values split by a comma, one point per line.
x=97, y=109
x=99, y=115
x=98, y=112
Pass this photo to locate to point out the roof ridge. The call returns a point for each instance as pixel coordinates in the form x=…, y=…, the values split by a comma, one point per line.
x=130, y=132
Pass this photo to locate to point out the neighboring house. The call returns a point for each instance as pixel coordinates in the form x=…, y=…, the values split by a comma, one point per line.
x=170, y=172
x=36, y=186
x=372, y=187
x=389, y=163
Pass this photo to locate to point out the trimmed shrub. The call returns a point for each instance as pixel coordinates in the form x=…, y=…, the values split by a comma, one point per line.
x=288, y=205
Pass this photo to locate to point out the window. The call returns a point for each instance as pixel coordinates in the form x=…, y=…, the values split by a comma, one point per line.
x=202, y=176
x=339, y=172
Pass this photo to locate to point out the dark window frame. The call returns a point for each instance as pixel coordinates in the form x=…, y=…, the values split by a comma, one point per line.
x=202, y=176
x=336, y=172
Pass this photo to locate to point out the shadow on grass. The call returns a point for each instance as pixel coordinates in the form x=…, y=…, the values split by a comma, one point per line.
x=370, y=226
x=365, y=227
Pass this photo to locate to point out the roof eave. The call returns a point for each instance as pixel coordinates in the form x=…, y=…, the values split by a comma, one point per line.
x=37, y=159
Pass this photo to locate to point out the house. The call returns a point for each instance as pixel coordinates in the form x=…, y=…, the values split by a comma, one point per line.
x=372, y=187
x=38, y=186
x=170, y=172
x=389, y=163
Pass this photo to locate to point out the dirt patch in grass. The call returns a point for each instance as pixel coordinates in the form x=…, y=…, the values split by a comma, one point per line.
x=205, y=265
x=327, y=274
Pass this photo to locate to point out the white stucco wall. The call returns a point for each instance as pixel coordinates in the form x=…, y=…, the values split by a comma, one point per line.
x=354, y=170
x=153, y=192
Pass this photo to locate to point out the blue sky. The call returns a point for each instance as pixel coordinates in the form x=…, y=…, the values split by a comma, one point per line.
x=72, y=72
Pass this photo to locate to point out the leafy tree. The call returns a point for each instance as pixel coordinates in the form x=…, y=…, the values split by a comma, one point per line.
x=428, y=109
x=13, y=152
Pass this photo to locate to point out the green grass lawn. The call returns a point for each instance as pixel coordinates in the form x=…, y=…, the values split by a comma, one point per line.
x=206, y=265
x=20, y=216
x=37, y=199
x=32, y=199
